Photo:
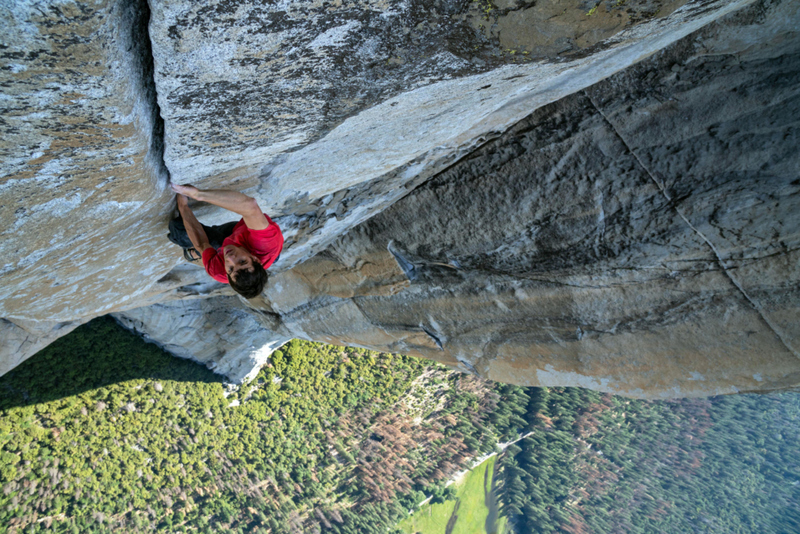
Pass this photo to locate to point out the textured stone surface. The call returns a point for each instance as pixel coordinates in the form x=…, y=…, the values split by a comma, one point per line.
x=82, y=183
x=330, y=113
x=22, y=339
x=639, y=237
x=636, y=234
x=559, y=29
x=83, y=199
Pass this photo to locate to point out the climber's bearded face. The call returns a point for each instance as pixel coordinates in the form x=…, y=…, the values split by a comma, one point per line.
x=237, y=259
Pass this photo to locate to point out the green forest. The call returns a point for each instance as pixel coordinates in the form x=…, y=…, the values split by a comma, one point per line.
x=599, y=463
x=102, y=432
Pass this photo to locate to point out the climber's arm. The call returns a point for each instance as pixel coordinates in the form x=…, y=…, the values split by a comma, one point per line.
x=194, y=229
x=234, y=201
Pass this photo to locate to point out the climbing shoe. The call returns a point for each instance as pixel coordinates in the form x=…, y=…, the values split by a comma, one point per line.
x=191, y=254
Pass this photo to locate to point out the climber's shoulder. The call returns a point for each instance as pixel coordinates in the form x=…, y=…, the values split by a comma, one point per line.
x=254, y=218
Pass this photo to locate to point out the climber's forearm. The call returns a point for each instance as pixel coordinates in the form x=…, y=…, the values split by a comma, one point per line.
x=234, y=201
x=230, y=200
x=193, y=227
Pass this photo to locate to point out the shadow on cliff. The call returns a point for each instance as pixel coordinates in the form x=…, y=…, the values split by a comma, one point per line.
x=94, y=355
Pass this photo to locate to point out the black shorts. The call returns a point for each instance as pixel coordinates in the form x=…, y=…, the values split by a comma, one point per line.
x=216, y=234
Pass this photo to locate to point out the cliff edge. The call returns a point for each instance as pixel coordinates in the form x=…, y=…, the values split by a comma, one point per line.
x=604, y=196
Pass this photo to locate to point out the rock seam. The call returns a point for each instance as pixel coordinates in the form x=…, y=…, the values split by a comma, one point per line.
x=775, y=330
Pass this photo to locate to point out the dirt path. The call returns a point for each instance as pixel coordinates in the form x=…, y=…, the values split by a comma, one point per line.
x=451, y=523
x=490, y=498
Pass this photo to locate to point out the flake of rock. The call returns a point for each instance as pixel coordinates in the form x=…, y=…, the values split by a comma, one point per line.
x=219, y=333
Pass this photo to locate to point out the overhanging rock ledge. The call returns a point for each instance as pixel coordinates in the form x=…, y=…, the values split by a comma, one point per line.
x=621, y=214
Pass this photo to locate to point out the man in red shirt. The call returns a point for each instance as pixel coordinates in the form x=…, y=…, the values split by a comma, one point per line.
x=244, y=255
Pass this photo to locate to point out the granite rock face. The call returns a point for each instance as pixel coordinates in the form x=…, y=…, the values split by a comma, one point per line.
x=22, y=339
x=638, y=237
x=82, y=185
x=328, y=114
x=619, y=213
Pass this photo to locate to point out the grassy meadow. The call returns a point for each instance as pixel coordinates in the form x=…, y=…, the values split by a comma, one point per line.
x=465, y=514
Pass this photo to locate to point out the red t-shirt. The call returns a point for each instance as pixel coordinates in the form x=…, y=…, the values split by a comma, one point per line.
x=266, y=245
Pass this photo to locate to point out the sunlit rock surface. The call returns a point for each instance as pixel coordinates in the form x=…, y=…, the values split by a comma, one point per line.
x=82, y=182
x=636, y=234
x=328, y=114
x=219, y=333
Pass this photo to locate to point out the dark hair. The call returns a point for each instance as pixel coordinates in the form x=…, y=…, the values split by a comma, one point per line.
x=250, y=283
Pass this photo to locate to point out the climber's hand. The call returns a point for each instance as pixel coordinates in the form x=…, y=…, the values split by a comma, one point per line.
x=182, y=200
x=187, y=189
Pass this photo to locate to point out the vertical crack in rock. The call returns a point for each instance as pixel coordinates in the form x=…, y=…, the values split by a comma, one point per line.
x=434, y=336
x=755, y=304
x=468, y=366
x=136, y=15
x=405, y=264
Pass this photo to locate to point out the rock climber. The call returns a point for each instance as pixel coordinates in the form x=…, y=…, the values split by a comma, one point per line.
x=236, y=253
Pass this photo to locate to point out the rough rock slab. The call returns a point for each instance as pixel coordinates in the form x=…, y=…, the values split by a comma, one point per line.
x=82, y=161
x=639, y=237
x=636, y=235
x=558, y=29
x=82, y=183
x=22, y=339
x=309, y=102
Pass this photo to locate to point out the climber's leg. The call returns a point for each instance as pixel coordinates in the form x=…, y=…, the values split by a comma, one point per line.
x=216, y=235
x=177, y=233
